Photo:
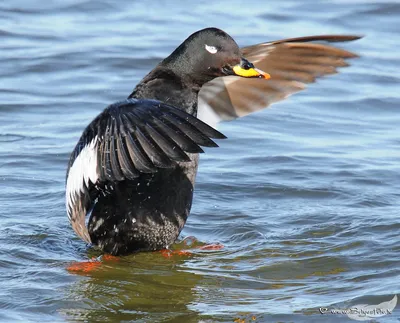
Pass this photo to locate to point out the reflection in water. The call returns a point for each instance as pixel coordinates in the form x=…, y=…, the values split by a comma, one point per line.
x=137, y=287
x=149, y=287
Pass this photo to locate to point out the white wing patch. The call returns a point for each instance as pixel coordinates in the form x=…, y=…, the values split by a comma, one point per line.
x=206, y=114
x=83, y=170
x=209, y=96
x=211, y=49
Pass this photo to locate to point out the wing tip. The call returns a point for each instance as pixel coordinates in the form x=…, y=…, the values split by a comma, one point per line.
x=343, y=38
x=216, y=134
x=335, y=38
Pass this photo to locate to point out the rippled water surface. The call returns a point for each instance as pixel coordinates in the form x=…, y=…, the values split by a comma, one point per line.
x=304, y=196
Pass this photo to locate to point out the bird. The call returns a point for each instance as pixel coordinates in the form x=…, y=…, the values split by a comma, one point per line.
x=131, y=176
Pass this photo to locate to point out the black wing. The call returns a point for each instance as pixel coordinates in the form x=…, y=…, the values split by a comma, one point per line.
x=128, y=138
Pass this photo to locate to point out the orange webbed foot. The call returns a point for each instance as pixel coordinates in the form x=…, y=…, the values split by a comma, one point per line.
x=90, y=265
x=167, y=253
x=84, y=266
x=213, y=246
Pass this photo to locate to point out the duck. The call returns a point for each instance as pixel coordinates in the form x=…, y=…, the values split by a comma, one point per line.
x=131, y=176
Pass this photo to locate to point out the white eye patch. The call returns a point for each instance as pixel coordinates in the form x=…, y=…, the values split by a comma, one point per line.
x=211, y=49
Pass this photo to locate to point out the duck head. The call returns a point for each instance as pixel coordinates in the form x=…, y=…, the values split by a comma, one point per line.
x=210, y=53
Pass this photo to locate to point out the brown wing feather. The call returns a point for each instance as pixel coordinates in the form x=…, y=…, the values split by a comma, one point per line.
x=292, y=63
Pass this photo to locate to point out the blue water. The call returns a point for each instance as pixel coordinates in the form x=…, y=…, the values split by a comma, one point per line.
x=304, y=196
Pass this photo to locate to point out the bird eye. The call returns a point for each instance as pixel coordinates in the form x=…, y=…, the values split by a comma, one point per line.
x=211, y=49
x=247, y=66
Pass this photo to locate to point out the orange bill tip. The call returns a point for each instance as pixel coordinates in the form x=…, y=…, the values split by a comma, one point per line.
x=263, y=74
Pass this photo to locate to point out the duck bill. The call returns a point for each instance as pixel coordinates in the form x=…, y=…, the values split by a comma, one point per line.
x=247, y=69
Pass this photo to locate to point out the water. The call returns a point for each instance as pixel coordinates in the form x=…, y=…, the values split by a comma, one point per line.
x=304, y=196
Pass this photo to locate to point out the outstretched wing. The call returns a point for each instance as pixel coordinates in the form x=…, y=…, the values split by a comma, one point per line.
x=129, y=138
x=292, y=63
